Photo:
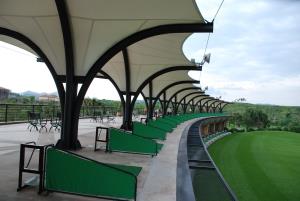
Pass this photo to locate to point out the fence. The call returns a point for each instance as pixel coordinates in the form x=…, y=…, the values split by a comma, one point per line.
x=15, y=113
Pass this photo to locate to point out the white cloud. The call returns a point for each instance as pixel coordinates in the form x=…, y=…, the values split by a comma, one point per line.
x=19, y=71
x=255, y=48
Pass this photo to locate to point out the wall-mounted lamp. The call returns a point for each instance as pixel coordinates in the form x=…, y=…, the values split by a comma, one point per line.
x=206, y=59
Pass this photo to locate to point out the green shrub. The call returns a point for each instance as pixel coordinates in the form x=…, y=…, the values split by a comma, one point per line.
x=236, y=130
x=251, y=129
x=275, y=128
x=294, y=129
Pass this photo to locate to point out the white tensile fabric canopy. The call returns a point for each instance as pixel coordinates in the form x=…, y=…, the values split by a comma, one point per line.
x=129, y=42
x=178, y=88
x=96, y=25
x=189, y=98
x=184, y=93
x=167, y=79
x=147, y=57
x=201, y=98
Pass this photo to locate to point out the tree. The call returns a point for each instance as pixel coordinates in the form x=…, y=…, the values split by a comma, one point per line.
x=255, y=118
x=237, y=119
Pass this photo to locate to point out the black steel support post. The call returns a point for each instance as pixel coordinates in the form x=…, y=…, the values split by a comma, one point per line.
x=6, y=111
x=175, y=110
x=207, y=107
x=212, y=106
x=200, y=107
x=218, y=106
x=184, y=106
x=127, y=117
x=150, y=111
x=161, y=104
x=193, y=106
x=69, y=134
x=214, y=109
x=164, y=104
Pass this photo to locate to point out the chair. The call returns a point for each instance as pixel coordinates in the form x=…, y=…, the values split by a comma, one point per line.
x=33, y=120
x=110, y=119
x=97, y=117
x=55, y=122
x=43, y=123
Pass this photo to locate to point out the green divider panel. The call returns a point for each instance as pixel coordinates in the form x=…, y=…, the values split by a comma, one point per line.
x=167, y=122
x=132, y=169
x=173, y=120
x=127, y=142
x=160, y=125
x=70, y=173
x=148, y=131
x=159, y=146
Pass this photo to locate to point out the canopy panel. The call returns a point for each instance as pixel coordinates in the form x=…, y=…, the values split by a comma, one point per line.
x=189, y=98
x=16, y=43
x=146, y=58
x=99, y=24
x=177, y=88
x=96, y=25
x=201, y=98
x=186, y=92
x=39, y=21
x=164, y=80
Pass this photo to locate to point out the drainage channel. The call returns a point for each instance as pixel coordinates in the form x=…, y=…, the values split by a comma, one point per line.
x=202, y=179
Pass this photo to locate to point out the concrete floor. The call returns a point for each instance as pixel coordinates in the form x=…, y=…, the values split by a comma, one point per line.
x=157, y=181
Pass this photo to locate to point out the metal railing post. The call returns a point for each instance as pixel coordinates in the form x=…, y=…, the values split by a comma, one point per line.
x=6, y=109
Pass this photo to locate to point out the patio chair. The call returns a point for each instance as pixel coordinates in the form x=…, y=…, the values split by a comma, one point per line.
x=110, y=119
x=43, y=123
x=33, y=120
x=97, y=117
x=55, y=122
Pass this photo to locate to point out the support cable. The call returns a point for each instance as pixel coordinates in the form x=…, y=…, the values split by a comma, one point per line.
x=218, y=10
x=208, y=37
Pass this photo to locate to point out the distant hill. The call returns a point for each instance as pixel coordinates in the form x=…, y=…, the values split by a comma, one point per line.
x=283, y=116
x=269, y=109
x=37, y=94
x=30, y=93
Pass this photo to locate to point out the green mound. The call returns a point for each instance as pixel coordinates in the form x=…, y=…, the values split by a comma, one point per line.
x=261, y=165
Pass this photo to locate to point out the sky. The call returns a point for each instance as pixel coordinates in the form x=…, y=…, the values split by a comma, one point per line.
x=254, y=55
x=254, y=51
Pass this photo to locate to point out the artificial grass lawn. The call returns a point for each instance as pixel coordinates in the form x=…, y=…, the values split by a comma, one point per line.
x=260, y=165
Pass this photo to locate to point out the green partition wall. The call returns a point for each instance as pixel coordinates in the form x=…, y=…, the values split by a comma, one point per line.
x=148, y=131
x=127, y=142
x=70, y=173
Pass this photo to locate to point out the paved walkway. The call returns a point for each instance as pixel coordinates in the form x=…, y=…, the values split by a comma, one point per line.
x=157, y=181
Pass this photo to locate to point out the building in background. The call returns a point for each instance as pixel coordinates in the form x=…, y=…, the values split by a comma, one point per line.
x=48, y=98
x=4, y=93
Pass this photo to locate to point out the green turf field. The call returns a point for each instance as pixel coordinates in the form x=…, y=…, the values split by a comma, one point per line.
x=261, y=165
